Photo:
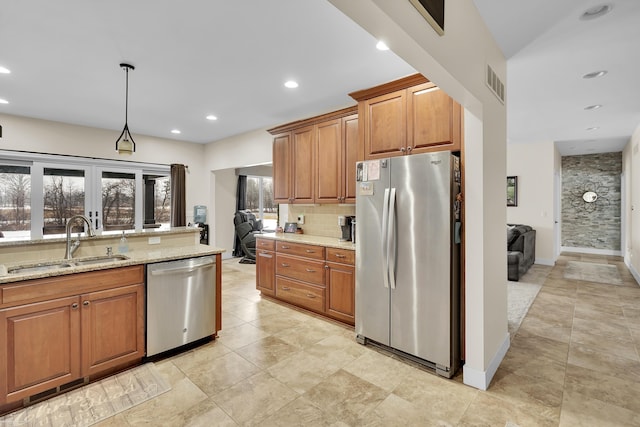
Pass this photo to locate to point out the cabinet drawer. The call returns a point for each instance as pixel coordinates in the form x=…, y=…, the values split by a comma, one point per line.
x=300, y=294
x=266, y=244
x=343, y=256
x=300, y=268
x=301, y=249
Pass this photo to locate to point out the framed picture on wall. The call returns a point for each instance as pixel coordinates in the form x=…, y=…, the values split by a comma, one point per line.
x=512, y=191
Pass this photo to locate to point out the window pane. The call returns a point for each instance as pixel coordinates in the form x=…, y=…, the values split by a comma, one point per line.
x=157, y=201
x=252, y=199
x=15, y=202
x=64, y=191
x=270, y=210
x=118, y=201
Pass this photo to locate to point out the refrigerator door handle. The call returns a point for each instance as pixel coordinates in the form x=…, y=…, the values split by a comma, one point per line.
x=391, y=239
x=385, y=237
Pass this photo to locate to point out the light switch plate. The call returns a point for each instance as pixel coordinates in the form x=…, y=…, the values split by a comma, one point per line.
x=301, y=219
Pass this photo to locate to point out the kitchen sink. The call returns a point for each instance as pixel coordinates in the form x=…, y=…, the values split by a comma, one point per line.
x=58, y=265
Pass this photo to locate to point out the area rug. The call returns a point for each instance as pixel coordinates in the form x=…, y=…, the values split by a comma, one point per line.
x=590, y=272
x=520, y=296
x=94, y=402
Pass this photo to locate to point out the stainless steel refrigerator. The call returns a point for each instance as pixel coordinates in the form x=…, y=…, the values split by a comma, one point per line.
x=407, y=257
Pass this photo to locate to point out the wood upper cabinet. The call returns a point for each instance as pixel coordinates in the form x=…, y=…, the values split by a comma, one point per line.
x=410, y=115
x=314, y=159
x=112, y=328
x=433, y=121
x=39, y=347
x=282, y=168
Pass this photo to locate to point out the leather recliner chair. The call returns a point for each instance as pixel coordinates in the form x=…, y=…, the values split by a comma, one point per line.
x=246, y=227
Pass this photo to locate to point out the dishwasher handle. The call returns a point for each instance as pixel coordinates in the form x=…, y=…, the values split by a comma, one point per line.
x=185, y=269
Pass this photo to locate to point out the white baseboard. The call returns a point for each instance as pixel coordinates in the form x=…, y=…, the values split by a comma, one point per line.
x=591, y=251
x=633, y=271
x=543, y=261
x=482, y=379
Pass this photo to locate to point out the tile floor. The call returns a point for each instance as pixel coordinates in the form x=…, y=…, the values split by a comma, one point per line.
x=574, y=361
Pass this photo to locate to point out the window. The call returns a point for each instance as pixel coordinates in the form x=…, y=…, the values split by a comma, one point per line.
x=259, y=200
x=39, y=193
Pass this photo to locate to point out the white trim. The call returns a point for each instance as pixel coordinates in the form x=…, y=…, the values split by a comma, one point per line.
x=482, y=379
x=633, y=271
x=544, y=261
x=591, y=251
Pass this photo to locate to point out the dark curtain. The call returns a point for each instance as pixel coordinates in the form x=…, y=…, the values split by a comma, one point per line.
x=178, y=203
x=241, y=197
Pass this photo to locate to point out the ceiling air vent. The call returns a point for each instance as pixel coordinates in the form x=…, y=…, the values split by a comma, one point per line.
x=495, y=84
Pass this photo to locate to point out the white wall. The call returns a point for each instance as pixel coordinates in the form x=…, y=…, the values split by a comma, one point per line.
x=43, y=136
x=534, y=165
x=631, y=171
x=457, y=63
x=224, y=183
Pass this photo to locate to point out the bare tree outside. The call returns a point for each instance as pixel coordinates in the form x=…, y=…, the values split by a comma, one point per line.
x=162, y=198
x=15, y=199
x=118, y=201
x=63, y=198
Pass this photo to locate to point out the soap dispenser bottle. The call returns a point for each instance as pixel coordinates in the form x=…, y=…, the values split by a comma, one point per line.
x=123, y=247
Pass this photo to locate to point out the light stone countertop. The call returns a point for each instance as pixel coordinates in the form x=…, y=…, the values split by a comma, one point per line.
x=330, y=242
x=135, y=257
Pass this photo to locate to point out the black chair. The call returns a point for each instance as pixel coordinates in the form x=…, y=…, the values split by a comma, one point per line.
x=246, y=226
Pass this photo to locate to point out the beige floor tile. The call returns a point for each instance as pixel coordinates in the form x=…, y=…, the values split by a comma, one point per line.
x=275, y=323
x=303, y=335
x=487, y=410
x=582, y=411
x=300, y=412
x=544, y=328
x=608, y=345
x=221, y=373
x=348, y=397
x=397, y=412
x=379, y=369
x=254, y=399
x=592, y=358
x=603, y=312
x=337, y=350
x=229, y=320
x=200, y=356
x=302, y=371
x=267, y=352
x=115, y=421
x=604, y=327
x=241, y=335
x=540, y=345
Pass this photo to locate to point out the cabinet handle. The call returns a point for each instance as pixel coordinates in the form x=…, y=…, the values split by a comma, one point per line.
x=286, y=288
x=339, y=256
x=286, y=247
x=74, y=306
x=262, y=254
x=310, y=270
x=285, y=265
x=86, y=303
x=310, y=251
x=311, y=296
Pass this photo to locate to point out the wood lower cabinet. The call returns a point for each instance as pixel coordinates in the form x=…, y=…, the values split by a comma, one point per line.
x=50, y=334
x=317, y=278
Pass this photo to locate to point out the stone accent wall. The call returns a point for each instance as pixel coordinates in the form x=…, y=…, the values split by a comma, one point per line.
x=591, y=225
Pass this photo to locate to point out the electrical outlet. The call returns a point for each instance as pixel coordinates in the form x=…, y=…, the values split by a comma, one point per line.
x=301, y=219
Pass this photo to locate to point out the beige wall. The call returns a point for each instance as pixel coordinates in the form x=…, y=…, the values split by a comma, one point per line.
x=42, y=136
x=534, y=165
x=457, y=63
x=631, y=171
x=223, y=183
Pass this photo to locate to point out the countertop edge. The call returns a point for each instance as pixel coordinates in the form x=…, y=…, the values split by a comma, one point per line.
x=330, y=242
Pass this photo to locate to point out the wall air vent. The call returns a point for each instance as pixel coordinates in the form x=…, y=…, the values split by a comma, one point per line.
x=495, y=84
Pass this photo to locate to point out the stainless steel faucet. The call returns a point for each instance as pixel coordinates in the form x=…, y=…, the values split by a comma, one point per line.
x=72, y=248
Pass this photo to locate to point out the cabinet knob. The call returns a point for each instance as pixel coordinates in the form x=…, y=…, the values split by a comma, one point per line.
x=74, y=306
x=326, y=267
x=403, y=149
x=409, y=148
x=86, y=303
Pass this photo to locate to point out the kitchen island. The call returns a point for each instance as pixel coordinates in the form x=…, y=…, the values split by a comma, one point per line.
x=315, y=273
x=66, y=322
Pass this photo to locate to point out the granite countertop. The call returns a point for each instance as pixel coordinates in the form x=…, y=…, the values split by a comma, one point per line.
x=135, y=257
x=330, y=242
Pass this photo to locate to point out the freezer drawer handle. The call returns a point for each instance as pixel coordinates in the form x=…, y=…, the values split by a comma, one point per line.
x=182, y=269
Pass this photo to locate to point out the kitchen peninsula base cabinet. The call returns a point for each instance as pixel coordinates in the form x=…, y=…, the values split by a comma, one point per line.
x=317, y=278
x=64, y=329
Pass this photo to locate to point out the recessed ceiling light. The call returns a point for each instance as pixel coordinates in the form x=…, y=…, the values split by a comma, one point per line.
x=596, y=12
x=382, y=46
x=291, y=84
x=211, y=117
x=593, y=128
x=593, y=107
x=4, y=70
x=176, y=131
x=3, y=101
x=595, y=74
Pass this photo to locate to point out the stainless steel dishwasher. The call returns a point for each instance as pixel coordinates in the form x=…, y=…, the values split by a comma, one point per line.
x=181, y=302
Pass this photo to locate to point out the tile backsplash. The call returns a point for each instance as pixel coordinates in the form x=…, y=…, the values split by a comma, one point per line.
x=320, y=220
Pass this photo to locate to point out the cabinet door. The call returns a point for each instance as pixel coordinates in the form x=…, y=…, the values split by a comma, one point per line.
x=433, y=120
x=351, y=142
x=385, y=130
x=282, y=168
x=266, y=272
x=112, y=328
x=340, y=287
x=329, y=162
x=303, y=142
x=39, y=347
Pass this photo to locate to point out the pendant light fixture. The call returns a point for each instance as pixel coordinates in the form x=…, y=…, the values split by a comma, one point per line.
x=125, y=143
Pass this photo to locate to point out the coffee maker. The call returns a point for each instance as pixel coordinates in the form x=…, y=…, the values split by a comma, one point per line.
x=347, y=226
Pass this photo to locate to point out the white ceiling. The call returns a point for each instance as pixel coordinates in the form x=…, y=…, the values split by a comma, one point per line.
x=231, y=58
